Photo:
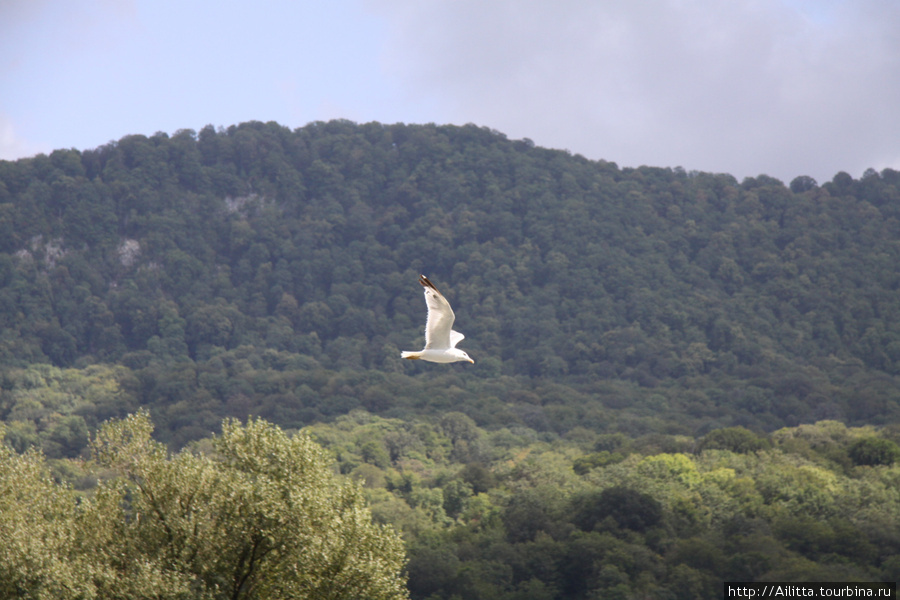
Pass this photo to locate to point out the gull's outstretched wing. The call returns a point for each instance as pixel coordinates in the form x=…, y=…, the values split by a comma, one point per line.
x=455, y=338
x=438, y=328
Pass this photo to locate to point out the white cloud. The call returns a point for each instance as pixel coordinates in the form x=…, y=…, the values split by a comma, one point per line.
x=741, y=87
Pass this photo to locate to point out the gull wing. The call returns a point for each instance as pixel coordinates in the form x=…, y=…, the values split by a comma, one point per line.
x=438, y=327
x=455, y=338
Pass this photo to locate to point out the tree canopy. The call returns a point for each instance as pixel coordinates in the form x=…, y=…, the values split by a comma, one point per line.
x=680, y=378
x=263, y=270
x=261, y=516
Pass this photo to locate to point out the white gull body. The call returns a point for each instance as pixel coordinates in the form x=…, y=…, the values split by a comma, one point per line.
x=440, y=339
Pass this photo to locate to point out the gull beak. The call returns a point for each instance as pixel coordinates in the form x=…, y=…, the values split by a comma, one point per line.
x=471, y=361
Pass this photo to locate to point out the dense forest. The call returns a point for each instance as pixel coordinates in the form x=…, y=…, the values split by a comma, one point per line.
x=679, y=378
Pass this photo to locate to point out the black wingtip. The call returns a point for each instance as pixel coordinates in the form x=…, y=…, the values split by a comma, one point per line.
x=425, y=282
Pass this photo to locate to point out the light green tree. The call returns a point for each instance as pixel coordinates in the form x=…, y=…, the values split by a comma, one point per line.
x=37, y=531
x=262, y=517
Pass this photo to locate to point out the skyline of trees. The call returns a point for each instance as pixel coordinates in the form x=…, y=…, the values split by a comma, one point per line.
x=261, y=270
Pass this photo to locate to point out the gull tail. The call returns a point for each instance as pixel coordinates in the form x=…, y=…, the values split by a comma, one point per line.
x=411, y=355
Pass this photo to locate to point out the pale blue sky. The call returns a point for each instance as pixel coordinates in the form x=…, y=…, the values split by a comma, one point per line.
x=782, y=87
x=82, y=73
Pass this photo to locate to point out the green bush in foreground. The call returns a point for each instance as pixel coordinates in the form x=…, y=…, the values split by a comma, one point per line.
x=263, y=517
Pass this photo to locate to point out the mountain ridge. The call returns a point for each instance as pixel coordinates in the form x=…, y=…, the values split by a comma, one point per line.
x=262, y=270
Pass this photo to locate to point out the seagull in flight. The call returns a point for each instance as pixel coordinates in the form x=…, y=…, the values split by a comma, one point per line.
x=440, y=339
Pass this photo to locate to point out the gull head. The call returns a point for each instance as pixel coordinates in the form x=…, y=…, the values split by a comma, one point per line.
x=460, y=355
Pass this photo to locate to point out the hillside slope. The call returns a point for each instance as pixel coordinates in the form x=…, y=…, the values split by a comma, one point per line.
x=261, y=270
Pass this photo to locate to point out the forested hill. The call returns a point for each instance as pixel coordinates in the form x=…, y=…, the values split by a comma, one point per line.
x=263, y=270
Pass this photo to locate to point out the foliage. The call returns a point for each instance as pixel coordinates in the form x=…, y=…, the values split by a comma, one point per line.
x=651, y=523
x=518, y=522
x=680, y=378
x=266, y=271
x=39, y=531
x=53, y=409
x=874, y=451
x=735, y=439
x=261, y=517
